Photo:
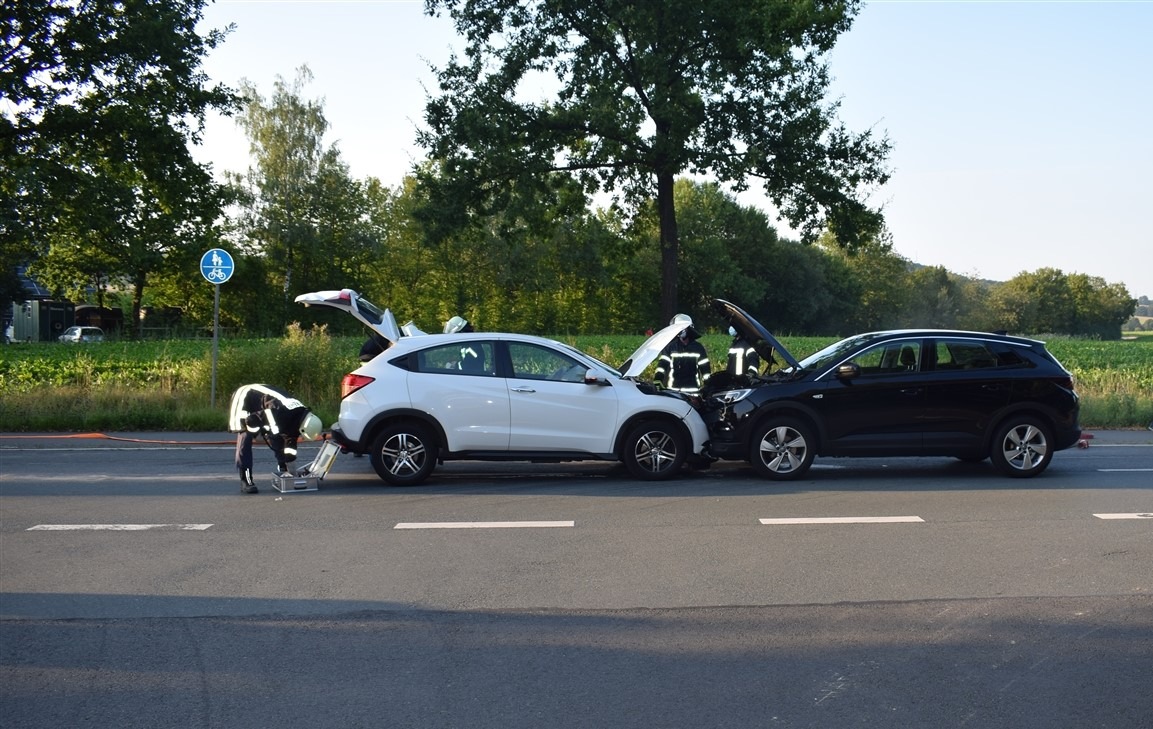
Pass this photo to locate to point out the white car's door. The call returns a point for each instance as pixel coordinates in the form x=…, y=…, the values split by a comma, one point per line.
x=552, y=408
x=471, y=404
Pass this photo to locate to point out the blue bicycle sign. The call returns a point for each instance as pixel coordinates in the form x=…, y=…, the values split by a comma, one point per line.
x=216, y=266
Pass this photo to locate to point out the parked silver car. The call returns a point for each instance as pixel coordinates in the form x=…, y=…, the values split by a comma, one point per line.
x=82, y=334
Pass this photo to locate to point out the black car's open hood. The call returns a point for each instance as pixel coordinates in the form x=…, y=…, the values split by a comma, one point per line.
x=761, y=339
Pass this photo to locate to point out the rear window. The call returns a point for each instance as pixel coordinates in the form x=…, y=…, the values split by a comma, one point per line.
x=458, y=358
x=956, y=354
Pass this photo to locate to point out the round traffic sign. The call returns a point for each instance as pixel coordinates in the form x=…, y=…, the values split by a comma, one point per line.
x=216, y=265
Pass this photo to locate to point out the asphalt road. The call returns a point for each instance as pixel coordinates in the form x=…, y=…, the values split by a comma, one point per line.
x=138, y=587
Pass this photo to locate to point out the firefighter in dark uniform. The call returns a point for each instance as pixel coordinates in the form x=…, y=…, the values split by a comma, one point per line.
x=684, y=364
x=743, y=359
x=276, y=416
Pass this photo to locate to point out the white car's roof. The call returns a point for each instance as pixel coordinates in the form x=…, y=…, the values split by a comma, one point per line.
x=382, y=321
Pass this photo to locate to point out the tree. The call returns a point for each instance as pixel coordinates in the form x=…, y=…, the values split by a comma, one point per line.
x=102, y=99
x=647, y=91
x=881, y=275
x=300, y=208
x=1101, y=307
x=936, y=299
x=1049, y=301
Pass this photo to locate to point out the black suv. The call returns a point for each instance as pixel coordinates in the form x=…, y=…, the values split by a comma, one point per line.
x=967, y=395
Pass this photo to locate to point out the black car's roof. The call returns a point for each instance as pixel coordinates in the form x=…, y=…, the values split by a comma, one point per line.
x=929, y=333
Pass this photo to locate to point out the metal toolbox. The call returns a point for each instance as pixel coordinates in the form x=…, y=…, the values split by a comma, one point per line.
x=289, y=484
x=309, y=477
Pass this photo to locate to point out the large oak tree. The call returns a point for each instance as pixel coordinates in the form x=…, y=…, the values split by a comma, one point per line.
x=625, y=95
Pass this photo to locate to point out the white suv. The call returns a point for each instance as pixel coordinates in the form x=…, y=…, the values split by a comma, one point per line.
x=514, y=397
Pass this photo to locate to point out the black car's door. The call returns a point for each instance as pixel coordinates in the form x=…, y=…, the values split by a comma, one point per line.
x=880, y=410
x=967, y=385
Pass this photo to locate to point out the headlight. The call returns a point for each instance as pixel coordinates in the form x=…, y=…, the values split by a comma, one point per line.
x=728, y=397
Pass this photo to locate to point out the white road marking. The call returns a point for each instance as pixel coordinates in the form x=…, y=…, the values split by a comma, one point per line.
x=1124, y=516
x=845, y=520
x=482, y=524
x=1125, y=470
x=117, y=527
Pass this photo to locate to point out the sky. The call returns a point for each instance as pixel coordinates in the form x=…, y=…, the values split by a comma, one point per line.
x=1022, y=131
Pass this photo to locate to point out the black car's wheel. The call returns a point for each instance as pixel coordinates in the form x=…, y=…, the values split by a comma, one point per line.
x=655, y=450
x=782, y=449
x=1022, y=447
x=404, y=454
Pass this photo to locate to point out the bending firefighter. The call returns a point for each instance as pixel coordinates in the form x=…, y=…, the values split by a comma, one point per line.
x=274, y=415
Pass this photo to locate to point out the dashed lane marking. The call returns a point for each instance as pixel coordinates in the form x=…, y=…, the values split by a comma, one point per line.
x=844, y=520
x=483, y=524
x=117, y=527
x=1124, y=516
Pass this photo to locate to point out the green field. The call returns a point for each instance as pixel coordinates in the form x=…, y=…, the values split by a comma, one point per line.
x=167, y=385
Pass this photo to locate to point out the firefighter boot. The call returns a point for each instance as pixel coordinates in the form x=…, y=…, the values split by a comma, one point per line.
x=246, y=484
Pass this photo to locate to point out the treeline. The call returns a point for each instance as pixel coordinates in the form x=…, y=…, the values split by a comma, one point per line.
x=555, y=267
x=104, y=202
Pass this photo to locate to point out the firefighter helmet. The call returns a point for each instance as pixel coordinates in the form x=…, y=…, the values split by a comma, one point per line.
x=455, y=324
x=310, y=427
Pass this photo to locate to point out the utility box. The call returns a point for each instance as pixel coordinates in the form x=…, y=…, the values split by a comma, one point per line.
x=309, y=477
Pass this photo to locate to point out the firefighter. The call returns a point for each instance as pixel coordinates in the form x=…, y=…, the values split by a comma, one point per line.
x=277, y=417
x=470, y=360
x=684, y=364
x=743, y=359
x=372, y=347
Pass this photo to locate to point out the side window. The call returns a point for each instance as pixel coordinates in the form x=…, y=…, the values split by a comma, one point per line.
x=531, y=362
x=964, y=355
x=458, y=358
x=1009, y=356
x=890, y=358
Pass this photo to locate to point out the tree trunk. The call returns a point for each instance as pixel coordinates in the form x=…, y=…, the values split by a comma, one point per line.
x=669, y=246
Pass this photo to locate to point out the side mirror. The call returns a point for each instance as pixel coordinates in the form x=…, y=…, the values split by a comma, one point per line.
x=848, y=371
x=595, y=377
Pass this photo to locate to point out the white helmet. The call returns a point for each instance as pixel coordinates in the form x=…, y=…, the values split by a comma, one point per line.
x=310, y=427
x=455, y=324
x=684, y=319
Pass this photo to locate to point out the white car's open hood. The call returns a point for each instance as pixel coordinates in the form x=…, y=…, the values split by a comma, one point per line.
x=379, y=320
x=650, y=350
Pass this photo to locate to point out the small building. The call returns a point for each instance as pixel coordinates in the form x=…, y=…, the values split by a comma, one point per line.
x=37, y=318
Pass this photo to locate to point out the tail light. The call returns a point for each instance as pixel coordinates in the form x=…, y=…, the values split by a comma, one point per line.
x=351, y=383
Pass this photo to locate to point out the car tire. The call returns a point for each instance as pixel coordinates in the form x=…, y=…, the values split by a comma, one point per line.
x=1022, y=447
x=655, y=450
x=782, y=449
x=404, y=454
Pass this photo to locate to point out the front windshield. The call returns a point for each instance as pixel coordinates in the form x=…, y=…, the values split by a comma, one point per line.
x=835, y=352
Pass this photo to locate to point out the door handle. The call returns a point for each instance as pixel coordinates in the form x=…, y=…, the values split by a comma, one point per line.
x=523, y=388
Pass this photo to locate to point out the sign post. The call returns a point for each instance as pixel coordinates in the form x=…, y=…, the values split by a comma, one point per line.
x=216, y=266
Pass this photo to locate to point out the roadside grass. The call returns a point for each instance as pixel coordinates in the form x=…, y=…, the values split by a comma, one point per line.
x=167, y=385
